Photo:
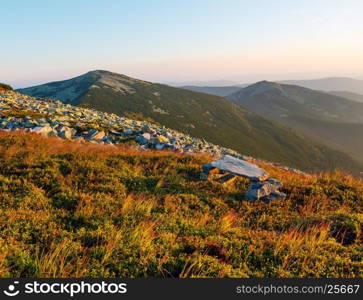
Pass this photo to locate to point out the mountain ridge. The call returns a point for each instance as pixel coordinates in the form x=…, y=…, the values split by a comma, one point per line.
x=213, y=118
x=336, y=121
x=327, y=84
x=348, y=95
x=330, y=84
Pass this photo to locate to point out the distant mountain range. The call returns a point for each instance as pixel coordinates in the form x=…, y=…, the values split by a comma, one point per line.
x=330, y=84
x=213, y=118
x=200, y=83
x=348, y=95
x=336, y=121
x=333, y=84
x=221, y=91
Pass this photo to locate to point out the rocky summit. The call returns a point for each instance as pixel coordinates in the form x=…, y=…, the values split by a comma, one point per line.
x=49, y=117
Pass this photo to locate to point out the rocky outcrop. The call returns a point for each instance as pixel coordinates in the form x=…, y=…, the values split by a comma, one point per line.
x=53, y=118
x=261, y=187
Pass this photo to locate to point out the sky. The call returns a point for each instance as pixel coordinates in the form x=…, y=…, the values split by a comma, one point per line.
x=180, y=41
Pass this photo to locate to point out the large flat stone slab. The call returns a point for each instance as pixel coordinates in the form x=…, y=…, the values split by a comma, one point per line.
x=237, y=167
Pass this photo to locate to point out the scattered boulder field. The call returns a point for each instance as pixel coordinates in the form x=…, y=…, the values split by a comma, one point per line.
x=48, y=117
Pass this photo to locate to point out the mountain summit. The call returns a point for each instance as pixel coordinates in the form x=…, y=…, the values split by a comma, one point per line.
x=72, y=90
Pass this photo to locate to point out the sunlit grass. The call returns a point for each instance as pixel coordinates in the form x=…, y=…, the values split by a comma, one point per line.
x=69, y=209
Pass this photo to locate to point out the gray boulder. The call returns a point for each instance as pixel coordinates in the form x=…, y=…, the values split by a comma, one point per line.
x=265, y=191
x=144, y=138
x=65, y=134
x=53, y=133
x=94, y=134
x=99, y=135
x=237, y=167
x=114, y=132
x=42, y=130
x=128, y=131
x=160, y=146
x=10, y=125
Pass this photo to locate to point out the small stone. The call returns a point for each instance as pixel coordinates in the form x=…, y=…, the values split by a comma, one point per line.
x=273, y=196
x=226, y=178
x=189, y=147
x=53, y=133
x=143, y=139
x=115, y=133
x=99, y=135
x=162, y=139
x=94, y=134
x=42, y=130
x=159, y=146
x=266, y=191
x=65, y=134
x=128, y=131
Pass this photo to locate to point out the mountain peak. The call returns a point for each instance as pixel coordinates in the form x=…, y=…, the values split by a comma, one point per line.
x=113, y=79
x=261, y=87
x=72, y=90
x=104, y=73
x=266, y=83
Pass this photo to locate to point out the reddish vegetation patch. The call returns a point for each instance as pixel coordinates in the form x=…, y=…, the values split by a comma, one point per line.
x=70, y=209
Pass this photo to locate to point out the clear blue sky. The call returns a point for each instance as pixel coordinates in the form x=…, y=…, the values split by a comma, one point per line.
x=168, y=41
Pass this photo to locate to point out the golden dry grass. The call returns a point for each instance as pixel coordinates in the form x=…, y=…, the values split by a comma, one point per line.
x=86, y=210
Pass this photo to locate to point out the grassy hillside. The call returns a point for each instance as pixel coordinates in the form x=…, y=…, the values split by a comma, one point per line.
x=70, y=210
x=213, y=118
x=348, y=95
x=5, y=86
x=347, y=137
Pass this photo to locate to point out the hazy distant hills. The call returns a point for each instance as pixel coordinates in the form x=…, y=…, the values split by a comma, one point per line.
x=317, y=104
x=330, y=84
x=206, y=83
x=348, y=87
x=348, y=95
x=336, y=121
x=215, y=90
x=214, y=118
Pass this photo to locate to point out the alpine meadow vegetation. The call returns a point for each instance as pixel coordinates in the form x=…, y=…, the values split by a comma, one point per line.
x=73, y=209
x=5, y=86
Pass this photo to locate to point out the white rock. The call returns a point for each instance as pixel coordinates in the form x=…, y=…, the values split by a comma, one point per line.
x=238, y=167
x=42, y=130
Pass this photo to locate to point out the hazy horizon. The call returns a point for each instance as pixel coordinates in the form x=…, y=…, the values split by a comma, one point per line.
x=168, y=42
